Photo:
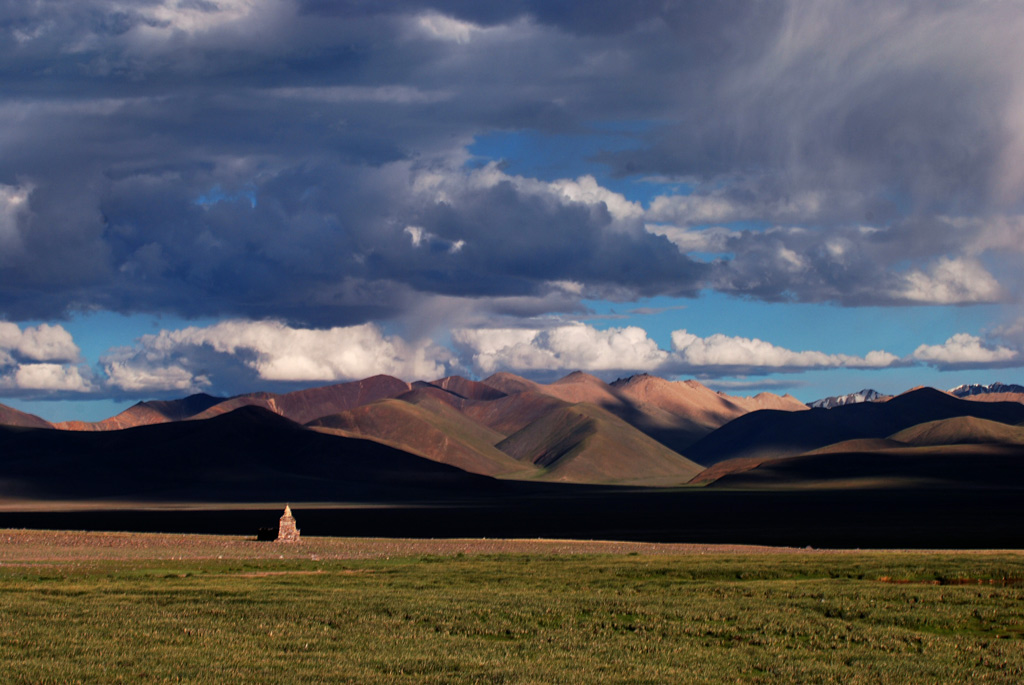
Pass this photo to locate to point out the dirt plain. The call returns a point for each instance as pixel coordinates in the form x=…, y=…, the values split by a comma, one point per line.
x=20, y=547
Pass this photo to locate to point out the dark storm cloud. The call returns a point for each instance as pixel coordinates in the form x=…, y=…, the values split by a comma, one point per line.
x=306, y=160
x=907, y=99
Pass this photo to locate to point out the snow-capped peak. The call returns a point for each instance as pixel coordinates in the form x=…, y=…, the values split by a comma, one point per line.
x=866, y=395
x=977, y=389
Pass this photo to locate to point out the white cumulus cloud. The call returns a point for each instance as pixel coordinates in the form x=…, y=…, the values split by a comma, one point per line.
x=752, y=355
x=51, y=378
x=197, y=357
x=964, y=350
x=569, y=347
x=41, y=359
x=42, y=343
x=580, y=346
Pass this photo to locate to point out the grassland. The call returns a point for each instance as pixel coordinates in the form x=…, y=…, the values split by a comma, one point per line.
x=116, y=608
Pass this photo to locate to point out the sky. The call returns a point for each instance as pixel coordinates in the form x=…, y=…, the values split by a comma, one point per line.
x=226, y=196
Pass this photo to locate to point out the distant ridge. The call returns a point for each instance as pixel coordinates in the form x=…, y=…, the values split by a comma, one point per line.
x=974, y=389
x=9, y=416
x=995, y=392
x=866, y=395
x=771, y=434
x=470, y=390
x=961, y=430
x=303, y=406
x=148, y=413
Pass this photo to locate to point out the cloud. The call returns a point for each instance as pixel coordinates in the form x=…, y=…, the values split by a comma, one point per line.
x=570, y=347
x=238, y=356
x=951, y=281
x=862, y=153
x=720, y=354
x=233, y=356
x=965, y=351
x=41, y=360
x=629, y=349
x=52, y=378
x=722, y=206
x=440, y=27
x=874, y=97
x=42, y=343
x=13, y=201
x=758, y=384
x=854, y=266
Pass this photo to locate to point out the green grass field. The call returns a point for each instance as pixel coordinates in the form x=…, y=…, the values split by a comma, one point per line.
x=518, y=618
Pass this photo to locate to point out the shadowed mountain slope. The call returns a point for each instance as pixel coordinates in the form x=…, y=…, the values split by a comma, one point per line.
x=9, y=416
x=583, y=443
x=947, y=466
x=743, y=464
x=247, y=455
x=768, y=434
x=431, y=429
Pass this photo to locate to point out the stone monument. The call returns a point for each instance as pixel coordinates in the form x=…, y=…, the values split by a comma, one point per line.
x=286, y=530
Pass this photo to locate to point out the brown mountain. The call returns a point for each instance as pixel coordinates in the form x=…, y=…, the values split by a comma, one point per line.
x=961, y=430
x=471, y=390
x=519, y=435
x=997, y=397
x=675, y=413
x=263, y=400
x=147, y=413
x=678, y=413
x=303, y=406
x=510, y=383
x=584, y=443
x=767, y=400
x=9, y=416
x=422, y=391
x=429, y=428
x=513, y=412
x=579, y=386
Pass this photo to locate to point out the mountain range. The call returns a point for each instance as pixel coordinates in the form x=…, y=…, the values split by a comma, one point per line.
x=382, y=434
